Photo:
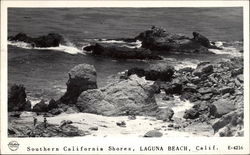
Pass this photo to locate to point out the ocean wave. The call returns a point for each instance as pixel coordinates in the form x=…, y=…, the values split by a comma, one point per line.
x=192, y=63
x=69, y=48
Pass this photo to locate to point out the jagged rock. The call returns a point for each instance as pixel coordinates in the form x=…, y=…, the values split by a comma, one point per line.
x=165, y=114
x=240, y=78
x=231, y=124
x=52, y=104
x=65, y=122
x=17, y=99
x=172, y=88
x=40, y=107
x=224, y=106
x=121, y=52
x=206, y=96
x=81, y=78
x=50, y=40
x=121, y=124
x=160, y=71
x=134, y=96
x=153, y=133
x=205, y=90
x=226, y=89
x=202, y=108
x=189, y=87
x=159, y=40
x=203, y=69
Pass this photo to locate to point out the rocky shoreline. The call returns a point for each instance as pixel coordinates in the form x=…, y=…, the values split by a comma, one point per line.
x=214, y=89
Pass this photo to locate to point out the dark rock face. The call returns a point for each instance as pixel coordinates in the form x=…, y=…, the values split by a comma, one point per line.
x=158, y=39
x=81, y=78
x=52, y=104
x=50, y=40
x=127, y=97
x=155, y=72
x=17, y=99
x=40, y=107
x=202, y=108
x=120, y=52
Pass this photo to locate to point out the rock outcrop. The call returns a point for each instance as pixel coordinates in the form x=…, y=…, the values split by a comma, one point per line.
x=231, y=124
x=133, y=96
x=50, y=40
x=51, y=130
x=40, y=107
x=81, y=78
x=161, y=71
x=121, y=52
x=158, y=39
x=17, y=99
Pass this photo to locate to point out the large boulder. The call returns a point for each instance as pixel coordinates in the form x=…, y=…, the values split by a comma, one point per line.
x=133, y=96
x=40, y=107
x=224, y=106
x=231, y=124
x=81, y=78
x=50, y=40
x=165, y=114
x=159, y=71
x=200, y=109
x=17, y=99
x=121, y=52
x=158, y=39
x=203, y=69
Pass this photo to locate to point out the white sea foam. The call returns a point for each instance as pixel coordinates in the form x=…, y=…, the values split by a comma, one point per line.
x=185, y=64
x=177, y=105
x=229, y=50
x=69, y=48
x=136, y=44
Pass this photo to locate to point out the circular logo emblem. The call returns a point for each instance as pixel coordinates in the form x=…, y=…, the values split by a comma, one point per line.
x=13, y=145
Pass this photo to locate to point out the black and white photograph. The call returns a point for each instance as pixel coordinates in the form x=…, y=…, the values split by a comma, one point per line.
x=125, y=72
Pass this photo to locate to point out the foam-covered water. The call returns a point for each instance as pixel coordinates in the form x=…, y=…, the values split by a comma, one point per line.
x=233, y=49
x=70, y=48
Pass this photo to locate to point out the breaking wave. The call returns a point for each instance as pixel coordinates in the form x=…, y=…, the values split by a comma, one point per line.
x=69, y=48
x=229, y=48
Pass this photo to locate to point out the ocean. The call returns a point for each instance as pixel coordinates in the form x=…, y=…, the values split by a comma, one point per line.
x=43, y=71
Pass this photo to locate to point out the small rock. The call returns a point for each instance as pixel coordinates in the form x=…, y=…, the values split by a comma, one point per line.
x=153, y=133
x=95, y=128
x=226, y=89
x=205, y=90
x=177, y=126
x=121, y=124
x=170, y=125
x=240, y=78
x=131, y=117
x=206, y=96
